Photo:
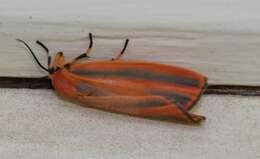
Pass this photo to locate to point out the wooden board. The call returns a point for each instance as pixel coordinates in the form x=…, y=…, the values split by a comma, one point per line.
x=218, y=38
x=38, y=124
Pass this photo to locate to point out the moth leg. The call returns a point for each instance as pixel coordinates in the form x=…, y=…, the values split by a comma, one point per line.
x=197, y=118
x=122, y=52
x=192, y=117
x=84, y=54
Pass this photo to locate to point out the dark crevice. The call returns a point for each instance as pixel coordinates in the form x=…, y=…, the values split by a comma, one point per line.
x=45, y=83
x=233, y=90
x=24, y=82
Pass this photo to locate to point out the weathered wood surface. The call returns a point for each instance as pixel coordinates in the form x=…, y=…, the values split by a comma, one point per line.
x=38, y=124
x=218, y=38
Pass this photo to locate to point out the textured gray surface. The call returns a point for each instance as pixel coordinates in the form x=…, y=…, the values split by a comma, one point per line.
x=219, y=38
x=37, y=124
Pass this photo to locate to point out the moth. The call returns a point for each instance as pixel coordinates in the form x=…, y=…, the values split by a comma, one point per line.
x=136, y=88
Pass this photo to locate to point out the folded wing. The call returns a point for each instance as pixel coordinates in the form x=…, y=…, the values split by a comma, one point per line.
x=140, y=88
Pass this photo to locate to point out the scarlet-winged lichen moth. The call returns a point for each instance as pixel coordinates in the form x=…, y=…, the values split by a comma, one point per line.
x=136, y=88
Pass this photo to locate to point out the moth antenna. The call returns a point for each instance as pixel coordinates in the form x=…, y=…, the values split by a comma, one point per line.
x=28, y=47
x=47, y=51
x=43, y=46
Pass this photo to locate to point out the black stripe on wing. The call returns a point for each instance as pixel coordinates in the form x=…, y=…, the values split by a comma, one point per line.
x=177, y=98
x=140, y=74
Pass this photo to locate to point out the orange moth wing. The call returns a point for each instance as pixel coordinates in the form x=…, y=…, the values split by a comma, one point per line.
x=142, y=89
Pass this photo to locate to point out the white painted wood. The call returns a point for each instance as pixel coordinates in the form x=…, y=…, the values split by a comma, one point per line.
x=219, y=38
x=37, y=124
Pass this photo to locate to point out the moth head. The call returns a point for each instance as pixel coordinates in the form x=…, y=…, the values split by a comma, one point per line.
x=57, y=63
x=53, y=65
